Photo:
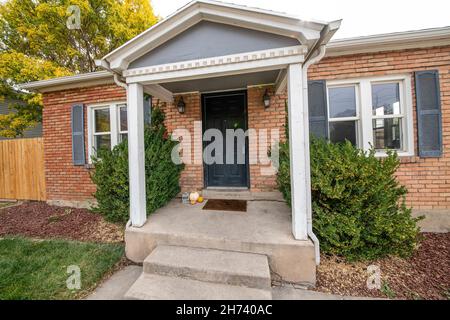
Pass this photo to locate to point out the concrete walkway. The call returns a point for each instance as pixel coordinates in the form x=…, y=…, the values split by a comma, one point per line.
x=117, y=285
x=436, y=221
x=115, y=288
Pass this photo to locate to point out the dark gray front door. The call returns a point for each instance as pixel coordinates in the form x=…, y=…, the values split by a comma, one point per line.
x=224, y=111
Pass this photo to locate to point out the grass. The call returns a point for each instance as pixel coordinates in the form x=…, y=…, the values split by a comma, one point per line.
x=37, y=269
x=4, y=204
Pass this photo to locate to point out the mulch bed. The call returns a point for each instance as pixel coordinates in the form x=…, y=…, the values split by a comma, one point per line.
x=39, y=220
x=426, y=275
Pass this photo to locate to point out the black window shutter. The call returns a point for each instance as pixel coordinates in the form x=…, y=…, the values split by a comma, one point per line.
x=318, y=109
x=429, y=117
x=78, y=153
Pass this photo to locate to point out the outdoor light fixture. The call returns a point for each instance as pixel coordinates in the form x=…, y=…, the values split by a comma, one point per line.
x=181, y=105
x=266, y=99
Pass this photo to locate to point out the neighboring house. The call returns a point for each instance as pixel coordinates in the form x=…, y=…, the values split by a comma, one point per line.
x=391, y=91
x=34, y=132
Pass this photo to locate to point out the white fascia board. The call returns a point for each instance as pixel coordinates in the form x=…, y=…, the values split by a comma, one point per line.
x=220, y=60
x=260, y=11
x=76, y=81
x=391, y=41
x=193, y=13
x=217, y=70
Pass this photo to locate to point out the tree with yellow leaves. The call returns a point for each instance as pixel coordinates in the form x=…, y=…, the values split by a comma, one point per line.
x=36, y=43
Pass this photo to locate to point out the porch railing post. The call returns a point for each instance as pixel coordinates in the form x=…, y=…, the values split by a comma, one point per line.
x=298, y=143
x=136, y=154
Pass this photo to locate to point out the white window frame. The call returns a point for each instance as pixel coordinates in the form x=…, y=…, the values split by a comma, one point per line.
x=114, y=124
x=364, y=104
x=119, y=121
x=356, y=119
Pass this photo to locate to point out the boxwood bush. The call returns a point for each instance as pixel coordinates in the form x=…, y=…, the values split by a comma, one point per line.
x=111, y=173
x=359, y=209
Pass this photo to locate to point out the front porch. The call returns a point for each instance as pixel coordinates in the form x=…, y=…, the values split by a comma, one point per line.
x=214, y=50
x=264, y=229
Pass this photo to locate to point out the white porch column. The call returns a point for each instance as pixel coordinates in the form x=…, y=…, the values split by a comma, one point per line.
x=299, y=146
x=136, y=155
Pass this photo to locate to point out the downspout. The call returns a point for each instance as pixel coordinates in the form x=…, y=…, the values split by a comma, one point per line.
x=119, y=82
x=312, y=60
x=105, y=65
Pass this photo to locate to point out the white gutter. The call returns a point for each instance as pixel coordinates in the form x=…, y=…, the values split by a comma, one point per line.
x=315, y=55
x=105, y=65
x=312, y=60
x=67, y=80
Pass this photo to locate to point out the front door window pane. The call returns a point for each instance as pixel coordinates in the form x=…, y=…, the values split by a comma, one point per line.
x=342, y=131
x=342, y=102
x=387, y=134
x=386, y=99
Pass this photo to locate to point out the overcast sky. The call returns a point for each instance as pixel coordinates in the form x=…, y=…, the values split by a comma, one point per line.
x=360, y=17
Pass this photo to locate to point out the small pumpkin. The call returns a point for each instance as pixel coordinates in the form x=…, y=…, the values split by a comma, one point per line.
x=194, y=196
x=200, y=199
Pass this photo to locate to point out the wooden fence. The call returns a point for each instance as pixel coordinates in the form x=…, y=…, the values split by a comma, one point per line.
x=22, y=175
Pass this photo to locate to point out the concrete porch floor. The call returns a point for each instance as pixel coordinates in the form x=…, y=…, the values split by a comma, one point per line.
x=265, y=229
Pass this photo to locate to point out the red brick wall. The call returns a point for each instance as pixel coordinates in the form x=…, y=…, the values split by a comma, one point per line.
x=258, y=118
x=261, y=118
x=192, y=176
x=64, y=180
x=428, y=180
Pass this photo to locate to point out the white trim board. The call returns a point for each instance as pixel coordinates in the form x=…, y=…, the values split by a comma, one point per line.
x=217, y=70
x=216, y=61
x=390, y=42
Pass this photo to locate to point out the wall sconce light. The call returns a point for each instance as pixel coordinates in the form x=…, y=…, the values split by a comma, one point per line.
x=181, y=105
x=266, y=99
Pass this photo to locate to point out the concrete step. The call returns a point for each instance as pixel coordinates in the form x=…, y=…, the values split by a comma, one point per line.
x=157, y=287
x=209, y=265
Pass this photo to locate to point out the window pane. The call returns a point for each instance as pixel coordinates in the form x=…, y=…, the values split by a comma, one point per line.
x=341, y=131
x=387, y=134
x=102, y=122
x=123, y=136
x=123, y=118
x=342, y=102
x=385, y=99
x=102, y=141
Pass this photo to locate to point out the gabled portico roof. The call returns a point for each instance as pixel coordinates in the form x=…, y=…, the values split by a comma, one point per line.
x=308, y=33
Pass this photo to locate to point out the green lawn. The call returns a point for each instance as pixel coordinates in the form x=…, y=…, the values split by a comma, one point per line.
x=35, y=269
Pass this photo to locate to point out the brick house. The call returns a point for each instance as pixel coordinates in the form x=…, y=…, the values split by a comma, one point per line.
x=391, y=91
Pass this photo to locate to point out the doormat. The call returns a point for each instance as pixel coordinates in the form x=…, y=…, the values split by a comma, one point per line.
x=226, y=205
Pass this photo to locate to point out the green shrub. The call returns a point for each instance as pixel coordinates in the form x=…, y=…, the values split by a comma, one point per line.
x=359, y=209
x=111, y=173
